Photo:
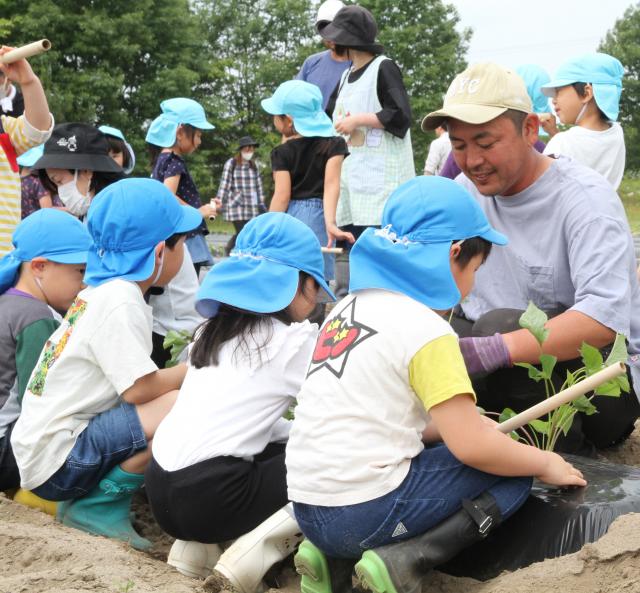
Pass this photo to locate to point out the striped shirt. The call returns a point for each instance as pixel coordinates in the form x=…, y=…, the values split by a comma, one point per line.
x=23, y=136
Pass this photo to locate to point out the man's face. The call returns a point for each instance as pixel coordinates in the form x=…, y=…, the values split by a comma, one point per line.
x=494, y=155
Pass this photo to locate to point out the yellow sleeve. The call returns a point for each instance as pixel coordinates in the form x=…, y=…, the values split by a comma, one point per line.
x=22, y=134
x=437, y=372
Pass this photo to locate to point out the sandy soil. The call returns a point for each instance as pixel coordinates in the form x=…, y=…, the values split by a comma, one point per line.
x=40, y=555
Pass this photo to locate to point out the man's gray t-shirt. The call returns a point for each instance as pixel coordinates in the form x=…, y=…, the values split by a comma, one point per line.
x=570, y=247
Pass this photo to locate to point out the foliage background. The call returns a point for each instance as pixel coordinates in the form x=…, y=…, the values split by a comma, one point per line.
x=114, y=61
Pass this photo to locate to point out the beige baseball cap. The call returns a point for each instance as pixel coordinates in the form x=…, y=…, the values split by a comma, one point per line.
x=481, y=93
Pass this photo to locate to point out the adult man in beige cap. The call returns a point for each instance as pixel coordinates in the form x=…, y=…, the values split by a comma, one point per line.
x=570, y=252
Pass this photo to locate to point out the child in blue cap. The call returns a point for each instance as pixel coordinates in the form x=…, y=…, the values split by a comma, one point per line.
x=407, y=458
x=174, y=134
x=38, y=281
x=586, y=93
x=95, y=398
x=218, y=470
x=119, y=149
x=306, y=166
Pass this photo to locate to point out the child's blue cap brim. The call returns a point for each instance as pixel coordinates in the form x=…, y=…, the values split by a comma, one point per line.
x=410, y=254
x=31, y=157
x=127, y=220
x=263, y=272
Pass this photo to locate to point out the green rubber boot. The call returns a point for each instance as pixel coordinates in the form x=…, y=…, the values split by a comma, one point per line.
x=320, y=573
x=401, y=567
x=105, y=510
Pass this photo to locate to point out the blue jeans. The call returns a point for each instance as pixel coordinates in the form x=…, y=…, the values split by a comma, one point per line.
x=432, y=491
x=199, y=250
x=109, y=438
x=311, y=212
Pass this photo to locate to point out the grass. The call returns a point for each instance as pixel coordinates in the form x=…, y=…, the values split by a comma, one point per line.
x=629, y=192
x=219, y=225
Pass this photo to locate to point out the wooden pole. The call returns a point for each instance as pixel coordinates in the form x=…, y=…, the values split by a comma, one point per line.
x=565, y=396
x=26, y=51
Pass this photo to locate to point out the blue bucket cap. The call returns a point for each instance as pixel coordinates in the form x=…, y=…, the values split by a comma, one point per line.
x=602, y=71
x=162, y=131
x=29, y=158
x=263, y=271
x=109, y=131
x=52, y=234
x=410, y=253
x=534, y=78
x=302, y=101
x=127, y=220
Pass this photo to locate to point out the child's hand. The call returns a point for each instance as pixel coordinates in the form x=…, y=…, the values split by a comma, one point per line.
x=559, y=472
x=347, y=125
x=19, y=71
x=335, y=234
x=208, y=211
x=548, y=123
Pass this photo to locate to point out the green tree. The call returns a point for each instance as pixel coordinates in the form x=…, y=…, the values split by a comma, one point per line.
x=112, y=61
x=622, y=42
x=422, y=38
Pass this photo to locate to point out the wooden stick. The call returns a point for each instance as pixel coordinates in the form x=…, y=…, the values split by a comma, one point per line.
x=565, y=396
x=26, y=51
x=331, y=249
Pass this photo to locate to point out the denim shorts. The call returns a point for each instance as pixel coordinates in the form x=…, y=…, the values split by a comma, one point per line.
x=311, y=212
x=199, y=250
x=109, y=438
x=432, y=491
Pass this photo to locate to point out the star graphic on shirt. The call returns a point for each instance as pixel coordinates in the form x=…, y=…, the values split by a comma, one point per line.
x=337, y=339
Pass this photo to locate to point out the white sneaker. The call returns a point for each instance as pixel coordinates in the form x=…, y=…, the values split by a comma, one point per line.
x=245, y=562
x=194, y=559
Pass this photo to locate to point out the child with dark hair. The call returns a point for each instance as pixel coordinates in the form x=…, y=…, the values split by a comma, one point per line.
x=306, y=166
x=119, y=149
x=389, y=463
x=240, y=193
x=76, y=165
x=95, y=398
x=38, y=281
x=174, y=134
x=34, y=195
x=586, y=92
x=218, y=469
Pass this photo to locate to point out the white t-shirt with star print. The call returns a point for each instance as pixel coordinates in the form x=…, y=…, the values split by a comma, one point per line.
x=381, y=361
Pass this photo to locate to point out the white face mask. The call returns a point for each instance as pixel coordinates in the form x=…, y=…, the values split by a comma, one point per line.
x=581, y=113
x=247, y=156
x=76, y=202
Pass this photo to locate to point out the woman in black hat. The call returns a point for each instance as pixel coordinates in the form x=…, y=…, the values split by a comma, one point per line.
x=76, y=165
x=371, y=109
x=241, y=188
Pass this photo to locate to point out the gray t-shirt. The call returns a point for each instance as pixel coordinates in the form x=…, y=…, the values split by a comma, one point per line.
x=570, y=247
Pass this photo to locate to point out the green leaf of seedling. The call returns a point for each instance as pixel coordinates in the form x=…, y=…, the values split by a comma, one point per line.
x=514, y=435
x=571, y=380
x=540, y=426
x=610, y=389
x=548, y=363
x=592, y=358
x=534, y=373
x=623, y=381
x=505, y=415
x=618, y=351
x=564, y=418
x=583, y=404
x=534, y=319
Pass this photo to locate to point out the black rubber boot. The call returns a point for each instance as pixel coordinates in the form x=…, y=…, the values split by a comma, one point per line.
x=400, y=568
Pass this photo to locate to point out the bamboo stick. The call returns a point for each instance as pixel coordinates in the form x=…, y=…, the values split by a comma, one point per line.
x=565, y=396
x=26, y=51
x=331, y=249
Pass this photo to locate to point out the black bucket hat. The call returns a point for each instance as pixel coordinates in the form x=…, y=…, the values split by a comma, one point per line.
x=353, y=27
x=247, y=141
x=77, y=146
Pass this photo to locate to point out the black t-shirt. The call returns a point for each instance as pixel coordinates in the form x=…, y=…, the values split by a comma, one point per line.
x=395, y=115
x=306, y=160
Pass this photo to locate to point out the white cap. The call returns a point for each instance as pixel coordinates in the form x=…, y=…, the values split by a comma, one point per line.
x=328, y=10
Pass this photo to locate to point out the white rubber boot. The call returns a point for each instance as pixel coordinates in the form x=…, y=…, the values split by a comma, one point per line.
x=246, y=561
x=194, y=559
